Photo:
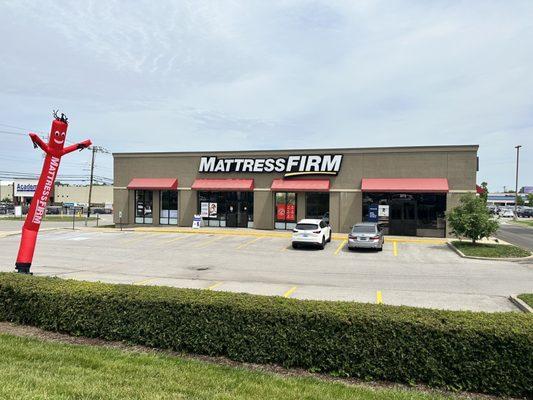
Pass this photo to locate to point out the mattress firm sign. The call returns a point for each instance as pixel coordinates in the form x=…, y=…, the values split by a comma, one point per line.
x=325, y=164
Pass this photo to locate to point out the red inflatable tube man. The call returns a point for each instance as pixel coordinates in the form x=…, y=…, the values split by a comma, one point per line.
x=54, y=151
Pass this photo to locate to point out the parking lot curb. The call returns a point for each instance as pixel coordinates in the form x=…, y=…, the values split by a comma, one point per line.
x=522, y=305
x=15, y=233
x=461, y=254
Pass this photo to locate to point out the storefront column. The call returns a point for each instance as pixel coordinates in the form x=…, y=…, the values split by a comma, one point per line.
x=263, y=209
x=334, y=211
x=131, y=207
x=121, y=203
x=156, y=207
x=452, y=201
x=187, y=206
x=351, y=210
x=300, y=206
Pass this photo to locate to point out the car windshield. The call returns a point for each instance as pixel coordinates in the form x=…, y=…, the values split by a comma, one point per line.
x=306, y=227
x=364, y=229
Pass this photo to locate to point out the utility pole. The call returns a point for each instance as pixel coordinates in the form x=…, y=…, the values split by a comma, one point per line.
x=95, y=149
x=516, y=178
x=90, y=185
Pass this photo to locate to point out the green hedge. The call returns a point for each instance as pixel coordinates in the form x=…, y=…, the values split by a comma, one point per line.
x=479, y=352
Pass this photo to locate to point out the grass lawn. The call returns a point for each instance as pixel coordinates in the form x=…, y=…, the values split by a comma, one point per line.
x=527, y=298
x=490, y=250
x=34, y=369
x=526, y=223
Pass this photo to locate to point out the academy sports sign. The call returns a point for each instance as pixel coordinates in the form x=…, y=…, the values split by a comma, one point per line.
x=325, y=164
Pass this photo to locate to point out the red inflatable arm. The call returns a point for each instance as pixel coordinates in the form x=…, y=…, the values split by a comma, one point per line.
x=78, y=146
x=37, y=141
x=54, y=151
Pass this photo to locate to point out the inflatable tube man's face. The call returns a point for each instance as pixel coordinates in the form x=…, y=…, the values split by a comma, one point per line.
x=58, y=134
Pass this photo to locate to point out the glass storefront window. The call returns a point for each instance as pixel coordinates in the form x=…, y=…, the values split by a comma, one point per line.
x=420, y=214
x=316, y=205
x=169, y=207
x=285, y=210
x=143, y=206
x=230, y=209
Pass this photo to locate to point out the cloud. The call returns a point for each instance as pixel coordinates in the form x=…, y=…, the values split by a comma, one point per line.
x=194, y=75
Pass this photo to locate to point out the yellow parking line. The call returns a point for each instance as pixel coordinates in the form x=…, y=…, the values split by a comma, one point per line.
x=416, y=240
x=343, y=243
x=250, y=242
x=175, y=239
x=379, y=297
x=128, y=241
x=145, y=281
x=215, y=285
x=208, y=242
x=290, y=291
x=395, y=248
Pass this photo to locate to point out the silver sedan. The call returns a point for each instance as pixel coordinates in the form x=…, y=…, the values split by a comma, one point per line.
x=367, y=235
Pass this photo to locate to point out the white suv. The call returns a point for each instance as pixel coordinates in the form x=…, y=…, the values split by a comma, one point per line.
x=314, y=232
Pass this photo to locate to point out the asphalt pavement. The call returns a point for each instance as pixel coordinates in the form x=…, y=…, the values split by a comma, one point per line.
x=516, y=234
x=415, y=272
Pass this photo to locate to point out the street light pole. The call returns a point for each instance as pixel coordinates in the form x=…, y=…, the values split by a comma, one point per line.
x=516, y=178
x=90, y=186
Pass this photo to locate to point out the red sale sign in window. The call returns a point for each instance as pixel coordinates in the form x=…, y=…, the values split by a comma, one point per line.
x=291, y=212
x=281, y=212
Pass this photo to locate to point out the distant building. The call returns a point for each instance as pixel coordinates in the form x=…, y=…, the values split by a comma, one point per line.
x=503, y=199
x=6, y=190
x=526, y=189
x=21, y=192
x=101, y=195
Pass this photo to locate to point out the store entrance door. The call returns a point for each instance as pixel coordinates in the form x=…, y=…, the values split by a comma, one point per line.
x=402, y=217
x=237, y=214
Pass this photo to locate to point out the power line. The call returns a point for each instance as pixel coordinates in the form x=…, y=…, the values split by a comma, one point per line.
x=22, y=129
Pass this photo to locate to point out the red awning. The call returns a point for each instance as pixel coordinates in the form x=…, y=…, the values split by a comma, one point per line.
x=238, y=185
x=410, y=185
x=153, y=183
x=300, y=185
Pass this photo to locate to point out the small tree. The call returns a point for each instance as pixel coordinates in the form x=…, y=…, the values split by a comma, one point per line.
x=520, y=201
x=530, y=199
x=485, y=194
x=471, y=219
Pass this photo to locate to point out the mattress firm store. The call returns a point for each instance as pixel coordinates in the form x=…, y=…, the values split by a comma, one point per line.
x=406, y=189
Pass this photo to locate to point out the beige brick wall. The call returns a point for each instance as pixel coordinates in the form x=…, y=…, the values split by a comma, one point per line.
x=80, y=194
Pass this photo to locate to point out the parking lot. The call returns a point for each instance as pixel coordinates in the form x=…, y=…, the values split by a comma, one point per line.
x=416, y=273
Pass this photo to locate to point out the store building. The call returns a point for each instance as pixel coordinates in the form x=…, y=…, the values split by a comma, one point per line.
x=407, y=189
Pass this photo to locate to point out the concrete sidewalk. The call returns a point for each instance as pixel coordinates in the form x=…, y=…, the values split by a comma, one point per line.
x=256, y=233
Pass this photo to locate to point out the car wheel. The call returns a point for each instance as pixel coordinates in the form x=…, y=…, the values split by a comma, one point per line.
x=380, y=249
x=329, y=237
x=294, y=245
x=323, y=244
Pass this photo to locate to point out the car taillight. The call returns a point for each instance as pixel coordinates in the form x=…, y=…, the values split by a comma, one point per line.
x=317, y=231
x=374, y=238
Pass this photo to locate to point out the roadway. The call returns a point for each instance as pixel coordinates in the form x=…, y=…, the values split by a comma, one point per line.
x=518, y=235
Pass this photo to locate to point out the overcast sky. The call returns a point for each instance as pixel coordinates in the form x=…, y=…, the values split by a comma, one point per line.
x=237, y=75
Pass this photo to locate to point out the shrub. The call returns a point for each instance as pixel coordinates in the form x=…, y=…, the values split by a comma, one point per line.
x=479, y=352
x=471, y=219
